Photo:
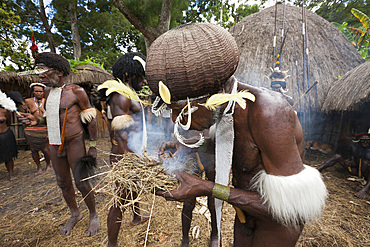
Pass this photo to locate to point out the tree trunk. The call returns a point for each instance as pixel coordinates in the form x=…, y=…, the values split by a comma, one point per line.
x=149, y=32
x=74, y=28
x=47, y=26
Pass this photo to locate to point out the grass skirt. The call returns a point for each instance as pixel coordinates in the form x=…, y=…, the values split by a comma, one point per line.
x=8, y=146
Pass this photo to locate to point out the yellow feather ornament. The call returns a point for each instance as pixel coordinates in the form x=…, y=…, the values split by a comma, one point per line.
x=121, y=88
x=164, y=92
x=221, y=98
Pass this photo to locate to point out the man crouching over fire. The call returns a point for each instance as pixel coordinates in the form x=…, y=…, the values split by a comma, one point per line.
x=258, y=137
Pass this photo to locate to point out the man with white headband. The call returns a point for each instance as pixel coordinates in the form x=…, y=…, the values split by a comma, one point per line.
x=37, y=136
x=259, y=140
x=67, y=107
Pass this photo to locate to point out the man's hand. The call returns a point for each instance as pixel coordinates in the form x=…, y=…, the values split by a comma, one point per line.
x=168, y=145
x=190, y=186
x=92, y=151
x=27, y=119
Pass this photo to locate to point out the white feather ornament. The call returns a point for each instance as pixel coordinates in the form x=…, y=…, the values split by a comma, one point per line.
x=221, y=98
x=137, y=58
x=121, y=88
x=7, y=102
x=164, y=92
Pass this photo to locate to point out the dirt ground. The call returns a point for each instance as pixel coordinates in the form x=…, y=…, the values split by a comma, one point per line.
x=32, y=211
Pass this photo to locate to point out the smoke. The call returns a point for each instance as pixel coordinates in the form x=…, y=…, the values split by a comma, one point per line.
x=160, y=130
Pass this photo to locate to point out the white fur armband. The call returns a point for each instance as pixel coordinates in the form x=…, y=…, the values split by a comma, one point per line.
x=292, y=199
x=122, y=122
x=87, y=115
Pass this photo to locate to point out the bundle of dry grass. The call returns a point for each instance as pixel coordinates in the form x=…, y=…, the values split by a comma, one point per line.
x=135, y=175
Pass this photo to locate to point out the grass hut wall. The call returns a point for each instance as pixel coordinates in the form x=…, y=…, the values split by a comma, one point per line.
x=348, y=103
x=330, y=56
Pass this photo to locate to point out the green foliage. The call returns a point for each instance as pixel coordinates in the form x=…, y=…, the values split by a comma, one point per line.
x=358, y=37
x=202, y=10
x=88, y=60
x=12, y=48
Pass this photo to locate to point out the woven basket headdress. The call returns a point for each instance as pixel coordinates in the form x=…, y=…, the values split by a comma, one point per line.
x=192, y=60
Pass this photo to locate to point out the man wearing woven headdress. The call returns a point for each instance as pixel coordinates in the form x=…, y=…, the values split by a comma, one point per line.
x=37, y=136
x=129, y=69
x=67, y=107
x=258, y=137
x=8, y=144
x=358, y=164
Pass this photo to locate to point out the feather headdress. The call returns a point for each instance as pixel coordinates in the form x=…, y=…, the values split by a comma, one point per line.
x=221, y=98
x=7, y=103
x=121, y=88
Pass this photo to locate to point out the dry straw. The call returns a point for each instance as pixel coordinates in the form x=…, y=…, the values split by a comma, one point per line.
x=134, y=176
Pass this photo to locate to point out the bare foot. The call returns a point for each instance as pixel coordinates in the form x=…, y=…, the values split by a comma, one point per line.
x=11, y=178
x=48, y=168
x=361, y=194
x=66, y=230
x=213, y=242
x=142, y=219
x=184, y=242
x=94, y=225
x=39, y=171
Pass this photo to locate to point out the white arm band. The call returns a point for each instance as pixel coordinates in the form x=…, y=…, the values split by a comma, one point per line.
x=122, y=122
x=87, y=115
x=294, y=199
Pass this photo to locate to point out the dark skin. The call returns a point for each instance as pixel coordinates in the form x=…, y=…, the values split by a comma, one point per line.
x=5, y=119
x=119, y=106
x=268, y=136
x=75, y=99
x=360, y=150
x=188, y=206
x=38, y=92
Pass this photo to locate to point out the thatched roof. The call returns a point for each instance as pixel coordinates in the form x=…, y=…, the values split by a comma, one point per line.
x=88, y=75
x=330, y=53
x=349, y=92
x=11, y=81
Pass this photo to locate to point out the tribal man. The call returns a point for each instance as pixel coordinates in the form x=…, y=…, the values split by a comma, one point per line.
x=37, y=136
x=258, y=137
x=67, y=107
x=129, y=69
x=358, y=164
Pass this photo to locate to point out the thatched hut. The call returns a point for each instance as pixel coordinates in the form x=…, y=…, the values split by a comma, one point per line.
x=330, y=54
x=12, y=81
x=348, y=102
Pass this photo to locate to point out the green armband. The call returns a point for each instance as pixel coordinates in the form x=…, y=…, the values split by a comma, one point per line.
x=92, y=143
x=42, y=120
x=221, y=192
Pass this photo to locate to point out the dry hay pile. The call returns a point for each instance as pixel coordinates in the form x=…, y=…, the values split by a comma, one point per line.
x=137, y=175
x=140, y=175
x=32, y=211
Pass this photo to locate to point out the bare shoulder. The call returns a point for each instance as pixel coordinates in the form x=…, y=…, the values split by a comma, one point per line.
x=267, y=101
x=116, y=98
x=29, y=101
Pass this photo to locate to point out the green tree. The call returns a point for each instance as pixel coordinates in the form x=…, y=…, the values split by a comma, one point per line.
x=12, y=47
x=358, y=36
